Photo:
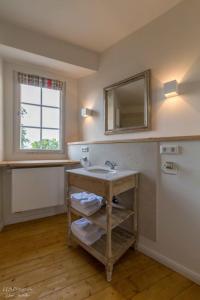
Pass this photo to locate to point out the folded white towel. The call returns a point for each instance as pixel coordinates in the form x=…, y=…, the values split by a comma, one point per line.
x=85, y=227
x=86, y=203
x=86, y=199
x=91, y=200
x=88, y=240
x=86, y=231
x=82, y=223
x=79, y=196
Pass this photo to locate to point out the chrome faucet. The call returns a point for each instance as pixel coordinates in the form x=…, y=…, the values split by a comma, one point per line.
x=111, y=164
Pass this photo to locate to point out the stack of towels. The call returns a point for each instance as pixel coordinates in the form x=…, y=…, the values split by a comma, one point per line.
x=86, y=203
x=86, y=231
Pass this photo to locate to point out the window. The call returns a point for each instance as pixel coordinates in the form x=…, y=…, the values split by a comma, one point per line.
x=40, y=113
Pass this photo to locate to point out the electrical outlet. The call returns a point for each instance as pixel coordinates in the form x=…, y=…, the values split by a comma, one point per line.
x=85, y=153
x=169, y=149
x=84, y=149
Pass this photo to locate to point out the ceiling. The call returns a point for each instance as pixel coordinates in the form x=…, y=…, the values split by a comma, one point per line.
x=92, y=24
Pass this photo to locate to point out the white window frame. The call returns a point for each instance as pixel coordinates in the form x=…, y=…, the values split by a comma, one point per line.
x=17, y=121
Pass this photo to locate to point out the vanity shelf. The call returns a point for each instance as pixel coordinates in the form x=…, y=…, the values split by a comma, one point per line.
x=122, y=240
x=116, y=241
x=100, y=217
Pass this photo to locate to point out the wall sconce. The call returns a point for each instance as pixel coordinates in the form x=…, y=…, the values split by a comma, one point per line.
x=86, y=112
x=171, y=89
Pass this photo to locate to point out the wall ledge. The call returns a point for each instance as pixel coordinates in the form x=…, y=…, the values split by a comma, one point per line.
x=141, y=140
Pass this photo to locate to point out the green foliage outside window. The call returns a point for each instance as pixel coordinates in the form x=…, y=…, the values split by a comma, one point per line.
x=24, y=139
x=45, y=144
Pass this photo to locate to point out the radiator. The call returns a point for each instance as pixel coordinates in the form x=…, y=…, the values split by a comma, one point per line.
x=34, y=188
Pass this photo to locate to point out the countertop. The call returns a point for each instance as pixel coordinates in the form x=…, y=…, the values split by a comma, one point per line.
x=37, y=163
x=107, y=177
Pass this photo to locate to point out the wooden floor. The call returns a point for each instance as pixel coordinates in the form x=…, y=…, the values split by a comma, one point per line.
x=35, y=263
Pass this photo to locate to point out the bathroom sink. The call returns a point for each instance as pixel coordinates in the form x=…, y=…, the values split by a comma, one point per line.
x=100, y=170
x=103, y=172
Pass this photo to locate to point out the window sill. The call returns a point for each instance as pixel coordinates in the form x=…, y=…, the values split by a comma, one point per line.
x=40, y=151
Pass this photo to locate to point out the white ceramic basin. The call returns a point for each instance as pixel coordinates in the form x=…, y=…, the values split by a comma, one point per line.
x=103, y=173
x=100, y=170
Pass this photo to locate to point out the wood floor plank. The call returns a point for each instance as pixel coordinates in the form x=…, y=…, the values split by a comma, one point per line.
x=165, y=289
x=148, y=277
x=35, y=264
x=35, y=255
x=59, y=285
x=192, y=293
x=124, y=287
x=50, y=270
x=72, y=277
x=84, y=289
x=107, y=294
x=21, y=256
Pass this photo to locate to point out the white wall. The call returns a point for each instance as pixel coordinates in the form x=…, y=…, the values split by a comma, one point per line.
x=1, y=140
x=70, y=126
x=1, y=111
x=34, y=42
x=170, y=47
x=178, y=207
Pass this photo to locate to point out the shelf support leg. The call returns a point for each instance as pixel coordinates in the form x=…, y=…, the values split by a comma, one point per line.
x=109, y=264
x=68, y=218
x=135, y=216
x=109, y=270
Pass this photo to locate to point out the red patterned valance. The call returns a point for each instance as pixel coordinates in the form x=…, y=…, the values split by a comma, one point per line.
x=39, y=81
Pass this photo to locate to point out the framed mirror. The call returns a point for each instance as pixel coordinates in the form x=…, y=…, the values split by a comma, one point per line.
x=127, y=105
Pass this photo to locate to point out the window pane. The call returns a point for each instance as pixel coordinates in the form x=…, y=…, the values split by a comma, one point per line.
x=51, y=138
x=30, y=94
x=29, y=137
x=50, y=97
x=30, y=115
x=50, y=117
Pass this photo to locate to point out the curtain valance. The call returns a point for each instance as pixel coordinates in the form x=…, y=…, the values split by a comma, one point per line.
x=30, y=79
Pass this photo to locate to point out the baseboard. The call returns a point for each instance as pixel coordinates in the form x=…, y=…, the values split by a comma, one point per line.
x=33, y=215
x=170, y=263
